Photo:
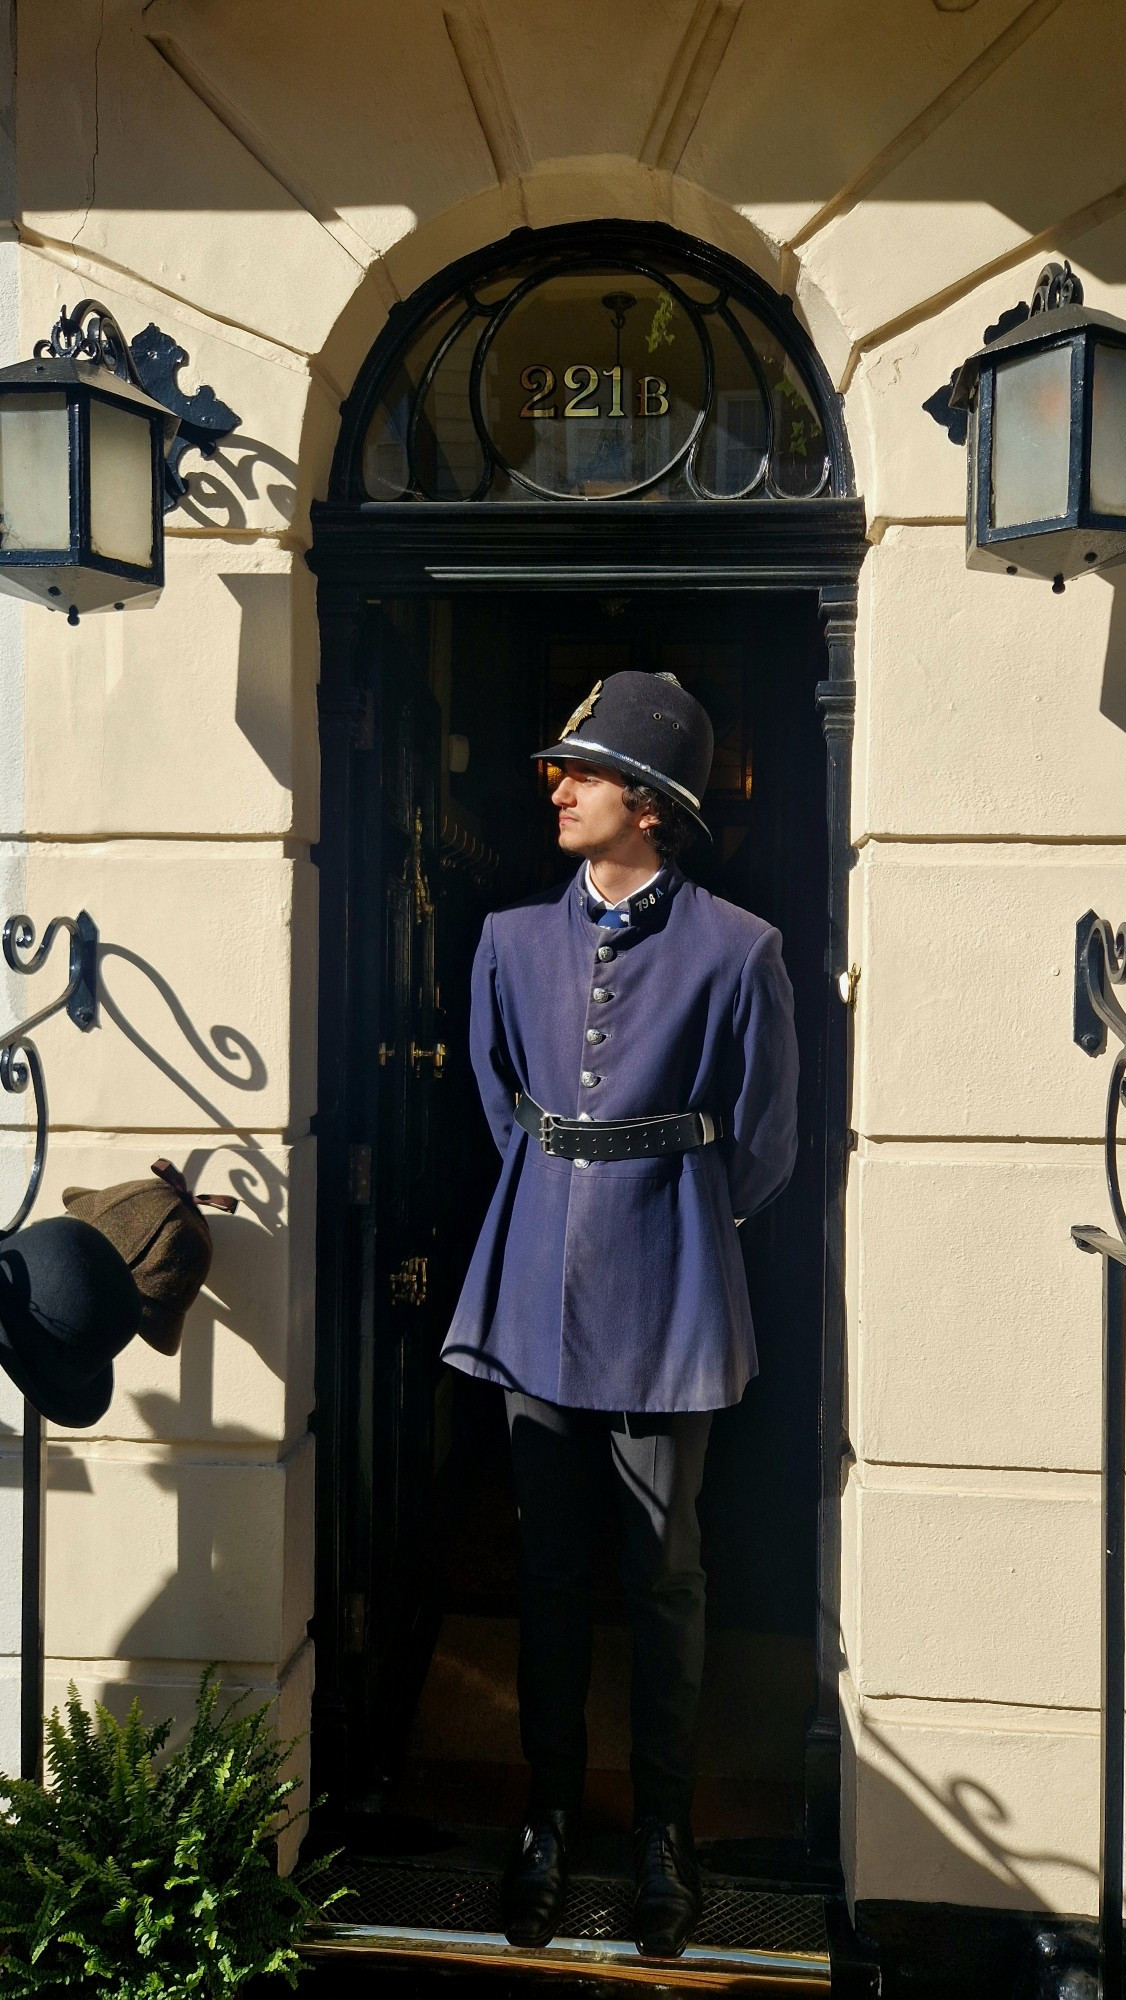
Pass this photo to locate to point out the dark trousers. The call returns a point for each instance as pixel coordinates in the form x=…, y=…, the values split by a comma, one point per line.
x=558, y=1458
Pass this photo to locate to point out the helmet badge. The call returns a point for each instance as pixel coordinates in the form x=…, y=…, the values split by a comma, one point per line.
x=584, y=709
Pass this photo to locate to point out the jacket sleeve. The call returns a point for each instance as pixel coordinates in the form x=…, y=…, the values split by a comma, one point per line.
x=762, y=1139
x=488, y=1049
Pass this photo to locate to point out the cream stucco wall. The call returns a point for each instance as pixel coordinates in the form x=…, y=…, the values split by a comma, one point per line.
x=265, y=182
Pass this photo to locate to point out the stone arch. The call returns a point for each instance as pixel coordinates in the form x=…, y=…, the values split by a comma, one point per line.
x=575, y=191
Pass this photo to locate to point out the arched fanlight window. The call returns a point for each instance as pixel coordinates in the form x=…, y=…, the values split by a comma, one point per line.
x=594, y=368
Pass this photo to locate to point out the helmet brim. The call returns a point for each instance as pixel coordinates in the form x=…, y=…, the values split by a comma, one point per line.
x=572, y=750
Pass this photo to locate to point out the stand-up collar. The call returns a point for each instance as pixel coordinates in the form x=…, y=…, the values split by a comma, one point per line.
x=638, y=910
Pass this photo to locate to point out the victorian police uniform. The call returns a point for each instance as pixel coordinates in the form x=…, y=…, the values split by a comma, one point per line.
x=638, y=1071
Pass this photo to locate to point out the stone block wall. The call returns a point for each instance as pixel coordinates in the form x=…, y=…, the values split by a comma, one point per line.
x=265, y=184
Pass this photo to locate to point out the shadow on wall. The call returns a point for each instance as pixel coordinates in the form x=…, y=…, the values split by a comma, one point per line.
x=217, y=1548
x=263, y=709
x=215, y=494
x=954, y=1840
x=236, y=1275
x=1112, y=702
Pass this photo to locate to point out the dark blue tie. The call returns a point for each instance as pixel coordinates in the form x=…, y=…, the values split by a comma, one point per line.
x=608, y=919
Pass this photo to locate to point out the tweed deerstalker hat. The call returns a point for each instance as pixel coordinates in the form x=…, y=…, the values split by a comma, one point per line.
x=647, y=727
x=159, y=1230
x=68, y=1305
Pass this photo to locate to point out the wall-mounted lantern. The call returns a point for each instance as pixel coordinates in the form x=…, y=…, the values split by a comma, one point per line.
x=85, y=473
x=1046, y=443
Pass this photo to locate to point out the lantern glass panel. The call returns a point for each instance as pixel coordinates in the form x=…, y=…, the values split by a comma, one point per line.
x=1031, y=437
x=121, y=484
x=34, y=472
x=1108, y=430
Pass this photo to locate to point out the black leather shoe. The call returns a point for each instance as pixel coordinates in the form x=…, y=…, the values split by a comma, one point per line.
x=534, y=1885
x=667, y=1900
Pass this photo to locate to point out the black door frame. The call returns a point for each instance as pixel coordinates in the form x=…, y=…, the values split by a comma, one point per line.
x=365, y=551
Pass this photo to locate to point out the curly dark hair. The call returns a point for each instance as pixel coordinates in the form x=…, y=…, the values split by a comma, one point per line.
x=674, y=828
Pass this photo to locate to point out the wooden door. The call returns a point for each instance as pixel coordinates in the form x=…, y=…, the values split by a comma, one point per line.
x=403, y=1060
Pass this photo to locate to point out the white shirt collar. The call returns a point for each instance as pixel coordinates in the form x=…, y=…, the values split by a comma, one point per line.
x=588, y=885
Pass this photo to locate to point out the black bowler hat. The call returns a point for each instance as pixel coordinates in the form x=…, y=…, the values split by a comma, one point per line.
x=647, y=727
x=68, y=1304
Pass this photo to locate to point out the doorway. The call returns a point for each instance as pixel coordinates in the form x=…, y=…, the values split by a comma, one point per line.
x=453, y=820
x=585, y=447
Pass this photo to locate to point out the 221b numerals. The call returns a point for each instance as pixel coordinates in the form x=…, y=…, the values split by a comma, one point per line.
x=584, y=383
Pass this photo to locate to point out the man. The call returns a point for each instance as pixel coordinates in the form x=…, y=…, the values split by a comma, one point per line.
x=633, y=1041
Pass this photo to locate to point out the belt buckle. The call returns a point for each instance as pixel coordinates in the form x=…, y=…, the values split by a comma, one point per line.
x=548, y=1124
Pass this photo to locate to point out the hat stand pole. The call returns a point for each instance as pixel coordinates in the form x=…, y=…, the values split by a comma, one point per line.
x=19, y=1066
x=31, y=1625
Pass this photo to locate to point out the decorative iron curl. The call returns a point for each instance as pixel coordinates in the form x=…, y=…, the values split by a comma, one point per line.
x=20, y=1062
x=1100, y=965
x=1056, y=286
x=90, y=333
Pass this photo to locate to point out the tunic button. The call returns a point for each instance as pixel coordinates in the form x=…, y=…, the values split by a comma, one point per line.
x=595, y=1035
x=588, y=1079
x=606, y=952
x=580, y=1163
x=601, y=993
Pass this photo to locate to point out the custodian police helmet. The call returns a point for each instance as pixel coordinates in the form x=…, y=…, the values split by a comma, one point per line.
x=648, y=728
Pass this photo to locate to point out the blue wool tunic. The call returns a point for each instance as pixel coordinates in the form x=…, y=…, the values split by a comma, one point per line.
x=620, y=1285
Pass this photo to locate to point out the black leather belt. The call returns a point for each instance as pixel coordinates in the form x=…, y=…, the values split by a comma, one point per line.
x=616, y=1138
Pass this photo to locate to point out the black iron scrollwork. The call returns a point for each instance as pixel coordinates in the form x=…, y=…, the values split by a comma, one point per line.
x=90, y=333
x=20, y=1063
x=1056, y=286
x=204, y=420
x=1100, y=965
x=151, y=363
x=473, y=326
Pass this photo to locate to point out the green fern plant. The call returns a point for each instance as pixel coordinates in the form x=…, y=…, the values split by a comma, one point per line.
x=141, y=1879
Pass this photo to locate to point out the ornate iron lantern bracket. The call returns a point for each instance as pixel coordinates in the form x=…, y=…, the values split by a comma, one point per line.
x=151, y=362
x=1100, y=965
x=19, y=1066
x=19, y=1058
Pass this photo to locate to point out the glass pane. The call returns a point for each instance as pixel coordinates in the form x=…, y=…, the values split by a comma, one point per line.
x=797, y=461
x=121, y=496
x=798, y=467
x=731, y=455
x=593, y=383
x=449, y=461
x=386, y=466
x=1108, y=430
x=1031, y=437
x=34, y=472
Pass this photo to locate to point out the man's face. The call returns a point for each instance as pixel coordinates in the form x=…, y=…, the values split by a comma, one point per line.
x=594, y=820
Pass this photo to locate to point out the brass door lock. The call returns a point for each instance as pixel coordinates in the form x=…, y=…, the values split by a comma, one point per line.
x=435, y=1056
x=408, y=1283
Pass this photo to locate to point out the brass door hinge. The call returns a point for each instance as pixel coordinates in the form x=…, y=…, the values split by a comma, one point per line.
x=408, y=1283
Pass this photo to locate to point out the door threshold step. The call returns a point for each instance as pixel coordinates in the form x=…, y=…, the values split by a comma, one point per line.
x=450, y=1916
x=605, y=1959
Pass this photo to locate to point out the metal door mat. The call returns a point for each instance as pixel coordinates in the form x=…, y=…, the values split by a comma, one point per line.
x=446, y=1912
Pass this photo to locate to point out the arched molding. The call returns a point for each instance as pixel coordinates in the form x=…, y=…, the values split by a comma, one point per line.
x=573, y=191
x=651, y=244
